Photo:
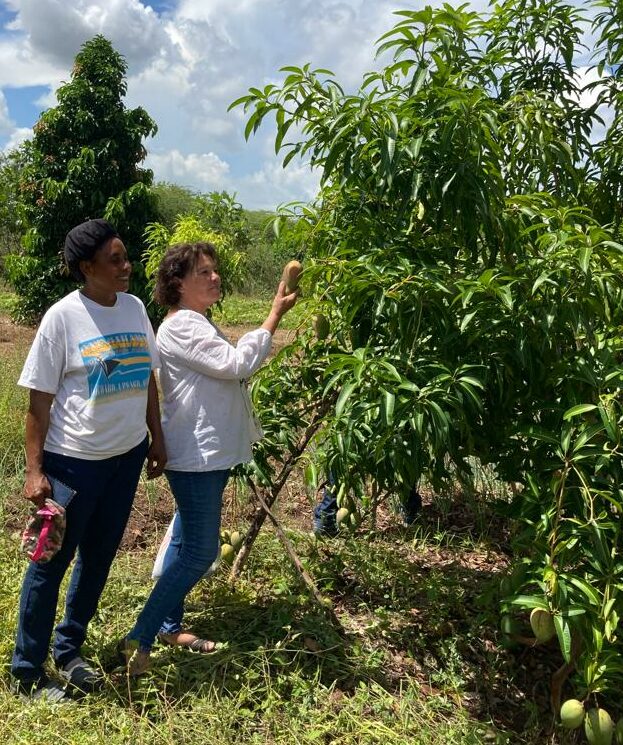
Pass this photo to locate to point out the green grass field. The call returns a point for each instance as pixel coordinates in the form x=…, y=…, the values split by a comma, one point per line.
x=416, y=658
x=246, y=311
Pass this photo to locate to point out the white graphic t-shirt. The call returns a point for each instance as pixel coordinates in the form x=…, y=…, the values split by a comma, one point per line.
x=96, y=360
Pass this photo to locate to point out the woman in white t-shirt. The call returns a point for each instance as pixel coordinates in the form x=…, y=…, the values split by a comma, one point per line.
x=92, y=398
x=208, y=428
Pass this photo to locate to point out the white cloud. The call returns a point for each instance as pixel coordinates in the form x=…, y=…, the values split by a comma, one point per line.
x=186, y=66
x=587, y=80
x=6, y=123
x=201, y=171
x=20, y=65
x=56, y=28
x=17, y=137
x=272, y=185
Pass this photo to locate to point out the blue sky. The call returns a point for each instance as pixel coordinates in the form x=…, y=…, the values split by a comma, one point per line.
x=187, y=60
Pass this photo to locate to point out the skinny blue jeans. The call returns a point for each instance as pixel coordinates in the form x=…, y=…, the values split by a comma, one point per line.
x=96, y=518
x=193, y=548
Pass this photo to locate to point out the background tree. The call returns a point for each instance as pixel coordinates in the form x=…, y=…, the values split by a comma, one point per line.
x=82, y=162
x=249, y=233
x=475, y=298
x=11, y=165
x=173, y=200
x=190, y=228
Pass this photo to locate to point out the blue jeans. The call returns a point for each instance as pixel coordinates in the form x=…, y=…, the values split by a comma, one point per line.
x=326, y=510
x=193, y=547
x=96, y=518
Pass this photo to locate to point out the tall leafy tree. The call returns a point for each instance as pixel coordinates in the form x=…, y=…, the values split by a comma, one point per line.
x=82, y=162
x=11, y=165
x=474, y=288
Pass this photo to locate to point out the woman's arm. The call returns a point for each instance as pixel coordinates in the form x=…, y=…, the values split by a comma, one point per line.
x=157, y=455
x=207, y=353
x=36, y=486
x=281, y=305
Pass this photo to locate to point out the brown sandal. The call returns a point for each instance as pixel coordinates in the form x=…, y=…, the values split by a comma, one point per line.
x=203, y=646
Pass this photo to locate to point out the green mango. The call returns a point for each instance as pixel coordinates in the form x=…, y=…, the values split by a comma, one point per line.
x=542, y=623
x=572, y=713
x=321, y=326
x=598, y=727
x=341, y=516
x=291, y=274
x=236, y=540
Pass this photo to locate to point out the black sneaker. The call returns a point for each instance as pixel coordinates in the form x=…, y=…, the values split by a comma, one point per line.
x=41, y=689
x=410, y=509
x=81, y=677
x=325, y=526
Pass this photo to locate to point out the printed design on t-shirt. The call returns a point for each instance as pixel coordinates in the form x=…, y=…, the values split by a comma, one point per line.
x=118, y=365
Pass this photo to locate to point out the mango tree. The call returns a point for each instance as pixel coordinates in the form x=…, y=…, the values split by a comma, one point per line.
x=464, y=250
x=83, y=161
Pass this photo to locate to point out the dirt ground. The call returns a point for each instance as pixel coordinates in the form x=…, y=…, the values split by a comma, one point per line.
x=13, y=336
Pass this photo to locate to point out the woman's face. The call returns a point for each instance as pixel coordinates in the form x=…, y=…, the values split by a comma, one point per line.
x=109, y=269
x=201, y=287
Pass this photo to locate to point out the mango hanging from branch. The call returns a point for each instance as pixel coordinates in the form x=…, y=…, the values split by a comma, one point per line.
x=542, y=623
x=341, y=516
x=598, y=727
x=572, y=713
x=321, y=326
x=236, y=540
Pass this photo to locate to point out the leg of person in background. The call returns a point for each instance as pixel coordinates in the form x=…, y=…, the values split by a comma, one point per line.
x=326, y=510
x=411, y=506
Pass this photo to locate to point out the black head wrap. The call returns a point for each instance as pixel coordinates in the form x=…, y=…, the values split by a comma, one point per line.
x=84, y=240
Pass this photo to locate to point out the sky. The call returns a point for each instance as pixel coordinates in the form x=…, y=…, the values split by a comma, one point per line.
x=187, y=61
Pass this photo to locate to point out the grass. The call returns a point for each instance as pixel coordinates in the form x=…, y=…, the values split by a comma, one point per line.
x=6, y=300
x=417, y=658
x=282, y=673
x=240, y=310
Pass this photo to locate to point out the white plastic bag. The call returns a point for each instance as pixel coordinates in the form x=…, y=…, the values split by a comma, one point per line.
x=156, y=572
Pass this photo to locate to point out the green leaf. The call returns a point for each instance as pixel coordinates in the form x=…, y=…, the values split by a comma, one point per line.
x=388, y=403
x=564, y=635
x=577, y=410
x=585, y=258
x=343, y=397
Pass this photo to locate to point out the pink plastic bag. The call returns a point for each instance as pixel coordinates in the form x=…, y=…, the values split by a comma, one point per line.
x=44, y=532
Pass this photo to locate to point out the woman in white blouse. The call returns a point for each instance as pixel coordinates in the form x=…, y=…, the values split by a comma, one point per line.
x=208, y=428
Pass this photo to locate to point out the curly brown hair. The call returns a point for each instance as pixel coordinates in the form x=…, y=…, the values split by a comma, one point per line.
x=177, y=263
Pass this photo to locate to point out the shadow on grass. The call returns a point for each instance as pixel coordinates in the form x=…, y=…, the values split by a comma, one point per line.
x=432, y=609
x=414, y=614
x=265, y=647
